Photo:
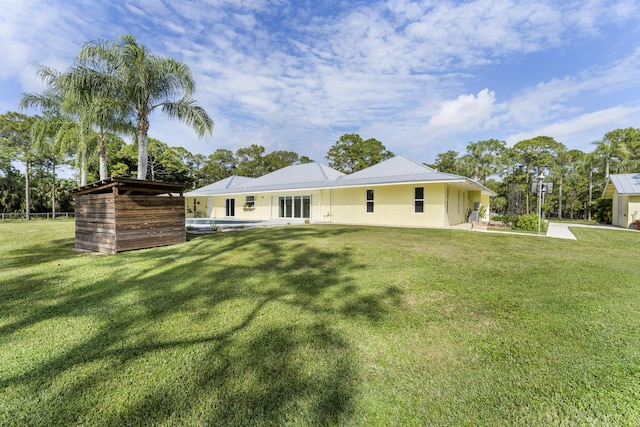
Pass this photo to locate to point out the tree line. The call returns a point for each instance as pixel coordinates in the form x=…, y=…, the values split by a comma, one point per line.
x=112, y=87
x=579, y=177
x=20, y=142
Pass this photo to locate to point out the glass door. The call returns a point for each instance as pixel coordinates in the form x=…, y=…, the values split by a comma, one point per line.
x=230, y=207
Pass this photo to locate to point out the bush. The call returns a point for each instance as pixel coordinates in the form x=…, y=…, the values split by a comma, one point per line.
x=529, y=222
x=602, y=211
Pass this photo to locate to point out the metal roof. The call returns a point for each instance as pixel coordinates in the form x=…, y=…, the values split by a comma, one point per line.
x=393, y=167
x=624, y=184
x=303, y=173
x=294, y=177
x=224, y=184
x=400, y=169
x=308, y=176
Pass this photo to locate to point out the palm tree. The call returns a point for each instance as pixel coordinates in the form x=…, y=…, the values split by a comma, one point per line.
x=483, y=158
x=64, y=125
x=139, y=82
x=611, y=148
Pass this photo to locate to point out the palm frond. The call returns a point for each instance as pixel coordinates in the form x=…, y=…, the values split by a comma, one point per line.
x=187, y=111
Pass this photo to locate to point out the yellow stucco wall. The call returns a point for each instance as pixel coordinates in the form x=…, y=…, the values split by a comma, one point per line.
x=615, y=211
x=444, y=205
x=630, y=211
x=394, y=205
x=195, y=207
x=266, y=205
x=625, y=210
x=634, y=209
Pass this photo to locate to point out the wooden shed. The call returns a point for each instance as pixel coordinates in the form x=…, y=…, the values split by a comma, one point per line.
x=123, y=214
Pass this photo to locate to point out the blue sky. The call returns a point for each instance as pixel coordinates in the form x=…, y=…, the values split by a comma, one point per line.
x=423, y=77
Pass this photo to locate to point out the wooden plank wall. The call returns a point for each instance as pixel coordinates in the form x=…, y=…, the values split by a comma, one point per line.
x=149, y=221
x=96, y=223
x=110, y=223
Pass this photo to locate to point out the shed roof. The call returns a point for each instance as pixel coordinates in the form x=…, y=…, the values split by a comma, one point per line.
x=625, y=184
x=129, y=186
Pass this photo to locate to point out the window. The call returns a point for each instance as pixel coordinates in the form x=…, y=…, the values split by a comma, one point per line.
x=418, y=199
x=249, y=201
x=294, y=206
x=370, y=201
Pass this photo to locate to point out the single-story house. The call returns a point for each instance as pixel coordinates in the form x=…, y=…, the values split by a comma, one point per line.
x=396, y=192
x=624, y=191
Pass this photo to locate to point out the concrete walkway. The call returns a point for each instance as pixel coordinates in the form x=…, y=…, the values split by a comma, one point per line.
x=560, y=230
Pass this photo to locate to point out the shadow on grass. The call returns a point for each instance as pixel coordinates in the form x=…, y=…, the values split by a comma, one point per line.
x=37, y=252
x=226, y=329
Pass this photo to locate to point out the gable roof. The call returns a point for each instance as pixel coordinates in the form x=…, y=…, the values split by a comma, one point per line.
x=625, y=184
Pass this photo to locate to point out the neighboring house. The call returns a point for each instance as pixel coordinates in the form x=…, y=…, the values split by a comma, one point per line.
x=624, y=191
x=397, y=192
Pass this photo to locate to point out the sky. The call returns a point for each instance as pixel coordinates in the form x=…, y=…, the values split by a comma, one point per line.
x=422, y=77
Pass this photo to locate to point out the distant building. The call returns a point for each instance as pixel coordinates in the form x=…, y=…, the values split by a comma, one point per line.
x=624, y=191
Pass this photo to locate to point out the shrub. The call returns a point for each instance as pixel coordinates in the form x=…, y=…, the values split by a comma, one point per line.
x=529, y=222
x=602, y=211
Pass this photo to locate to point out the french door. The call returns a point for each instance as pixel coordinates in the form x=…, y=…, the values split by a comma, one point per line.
x=294, y=207
x=230, y=207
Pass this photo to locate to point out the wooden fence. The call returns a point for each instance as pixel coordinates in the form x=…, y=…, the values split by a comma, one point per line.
x=48, y=215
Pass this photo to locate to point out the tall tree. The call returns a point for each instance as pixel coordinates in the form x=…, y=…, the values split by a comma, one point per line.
x=619, y=150
x=447, y=162
x=140, y=82
x=351, y=153
x=15, y=131
x=305, y=159
x=611, y=149
x=219, y=165
x=484, y=158
x=251, y=161
x=71, y=116
x=44, y=134
x=280, y=159
x=533, y=155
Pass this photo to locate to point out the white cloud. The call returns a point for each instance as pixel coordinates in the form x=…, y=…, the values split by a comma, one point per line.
x=579, y=132
x=466, y=113
x=560, y=96
x=383, y=69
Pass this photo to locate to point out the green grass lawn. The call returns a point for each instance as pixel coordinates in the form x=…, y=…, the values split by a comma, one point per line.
x=321, y=325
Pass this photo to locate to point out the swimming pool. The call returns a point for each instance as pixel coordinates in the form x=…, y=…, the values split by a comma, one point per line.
x=220, y=222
